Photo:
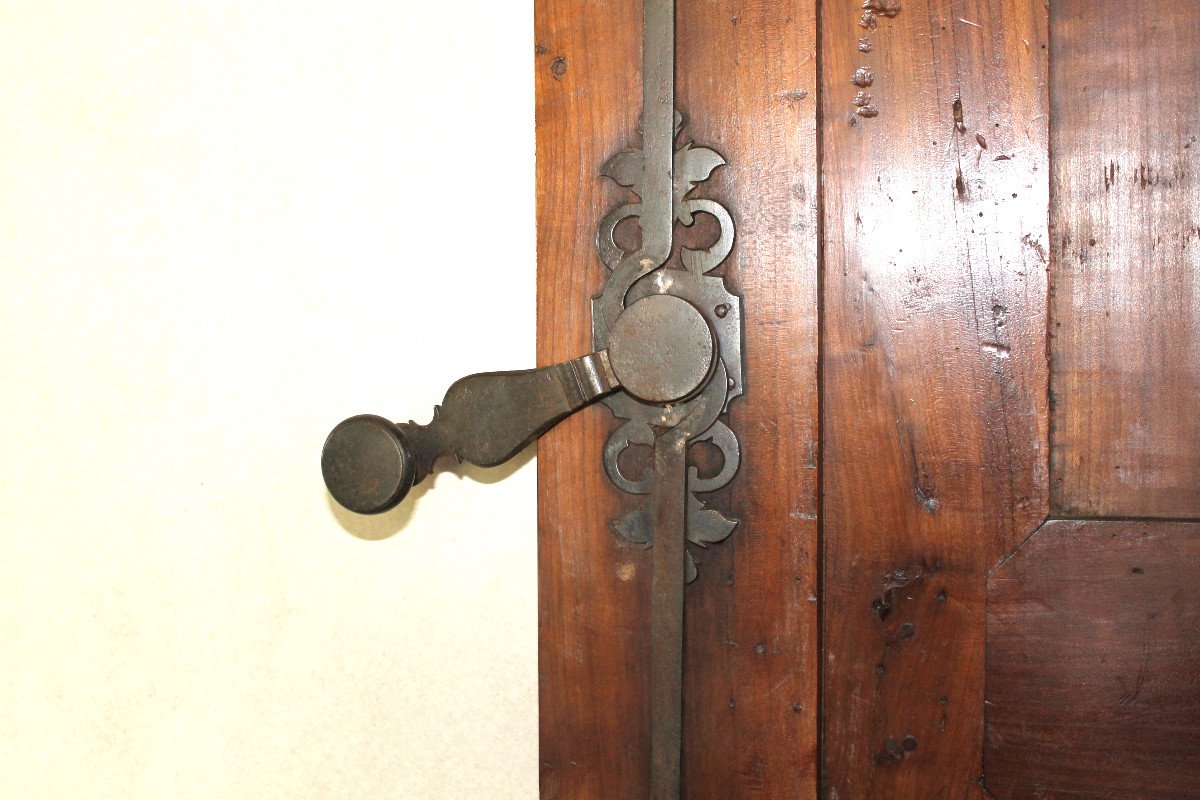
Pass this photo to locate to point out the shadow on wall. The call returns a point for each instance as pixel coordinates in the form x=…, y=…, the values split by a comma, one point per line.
x=383, y=526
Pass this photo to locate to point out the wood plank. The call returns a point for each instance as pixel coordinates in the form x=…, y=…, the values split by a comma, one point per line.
x=934, y=373
x=1125, y=258
x=746, y=81
x=1093, y=672
x=593, y=591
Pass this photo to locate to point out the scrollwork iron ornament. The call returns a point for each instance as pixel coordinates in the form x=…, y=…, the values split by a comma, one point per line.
x=686, y=277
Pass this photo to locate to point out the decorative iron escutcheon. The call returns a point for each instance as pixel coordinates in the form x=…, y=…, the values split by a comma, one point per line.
x=667, y=362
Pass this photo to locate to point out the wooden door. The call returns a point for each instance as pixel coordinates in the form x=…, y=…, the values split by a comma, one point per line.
x=969, y=251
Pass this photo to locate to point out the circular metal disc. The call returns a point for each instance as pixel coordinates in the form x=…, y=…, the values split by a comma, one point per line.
x=366, y=464
x=661, y=349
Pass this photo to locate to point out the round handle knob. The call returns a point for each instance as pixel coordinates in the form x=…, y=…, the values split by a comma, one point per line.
x=367, y=464
x=662, y=349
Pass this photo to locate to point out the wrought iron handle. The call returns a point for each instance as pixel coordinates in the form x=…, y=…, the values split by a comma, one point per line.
x=662, y=351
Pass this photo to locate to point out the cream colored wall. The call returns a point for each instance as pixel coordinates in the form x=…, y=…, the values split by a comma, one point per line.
x=224, y=226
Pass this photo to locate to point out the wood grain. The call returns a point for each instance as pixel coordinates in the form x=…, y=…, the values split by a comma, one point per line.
x=746, y=82
x=593, y=590
x=1093, y=663
x=934, y=374
x=747, y=74
x=1125, y=265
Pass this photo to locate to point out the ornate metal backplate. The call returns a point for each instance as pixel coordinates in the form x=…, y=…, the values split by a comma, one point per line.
x=686, y=276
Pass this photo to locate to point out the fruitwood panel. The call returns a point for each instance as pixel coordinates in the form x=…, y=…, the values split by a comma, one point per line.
x=746, y=81
x=593, y=591
x=1126, y=257
x=934, y=373
x=1093, y=663
x=747, y=74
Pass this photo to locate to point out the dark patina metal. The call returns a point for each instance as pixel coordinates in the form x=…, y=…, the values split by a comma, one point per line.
x=369, y=463
x=662, y=349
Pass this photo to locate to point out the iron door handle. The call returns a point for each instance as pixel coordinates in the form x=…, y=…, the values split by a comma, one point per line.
x=661, y=351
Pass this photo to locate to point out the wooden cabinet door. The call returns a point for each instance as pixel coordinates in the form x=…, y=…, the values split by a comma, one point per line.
x=967, y=243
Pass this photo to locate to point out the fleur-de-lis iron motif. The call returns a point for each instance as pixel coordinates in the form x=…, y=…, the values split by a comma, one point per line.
x=689, y=279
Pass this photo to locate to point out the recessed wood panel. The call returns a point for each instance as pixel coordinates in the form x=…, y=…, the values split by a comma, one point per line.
x=1125, y=260
x=1093, y=664
x=746, y=81
x=934, y=409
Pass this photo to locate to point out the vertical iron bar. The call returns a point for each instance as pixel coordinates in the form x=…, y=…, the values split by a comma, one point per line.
x=666, y=614
x=670, y=449
x=658, y=128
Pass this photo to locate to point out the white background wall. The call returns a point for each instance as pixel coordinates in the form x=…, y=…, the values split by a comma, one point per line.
x=224, y=226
